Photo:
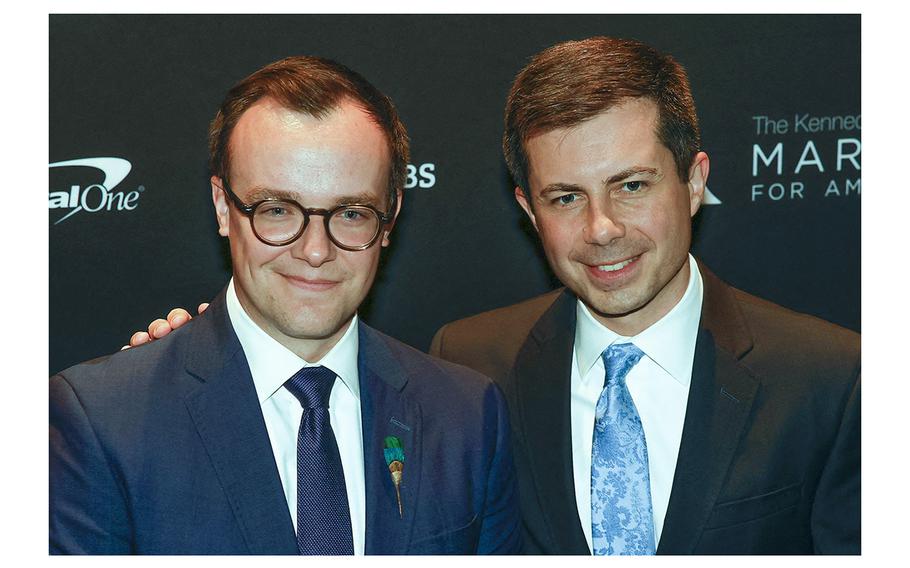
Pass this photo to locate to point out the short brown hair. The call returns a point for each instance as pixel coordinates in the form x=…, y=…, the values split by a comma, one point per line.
x=574, y=81
x=315, y=86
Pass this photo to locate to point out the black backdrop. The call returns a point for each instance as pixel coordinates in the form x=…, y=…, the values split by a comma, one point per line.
x=778, y=99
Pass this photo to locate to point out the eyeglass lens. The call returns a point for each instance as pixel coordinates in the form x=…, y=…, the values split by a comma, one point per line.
x=279, y=221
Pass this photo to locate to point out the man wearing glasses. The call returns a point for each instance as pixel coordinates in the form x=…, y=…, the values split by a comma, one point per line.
x=278, y=423
x=655, y=409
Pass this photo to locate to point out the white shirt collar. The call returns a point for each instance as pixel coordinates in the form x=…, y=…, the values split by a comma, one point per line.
x=272, y=364
x=669, y=342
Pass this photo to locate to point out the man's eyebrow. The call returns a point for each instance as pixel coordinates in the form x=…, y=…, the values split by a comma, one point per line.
x=629, y=172
x=560, y=188
x=619, y=176
x=359, y=199
x=259, y=193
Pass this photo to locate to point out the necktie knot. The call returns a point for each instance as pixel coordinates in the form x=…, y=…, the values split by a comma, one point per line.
x=619, y=359
x=312, y=386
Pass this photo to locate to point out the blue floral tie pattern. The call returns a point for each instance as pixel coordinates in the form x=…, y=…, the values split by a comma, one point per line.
x=621, y=514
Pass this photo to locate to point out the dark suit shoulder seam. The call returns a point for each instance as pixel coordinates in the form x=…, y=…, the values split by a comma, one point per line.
x=769, y=306
x=546, y=300
x=441, y=334
x=450, y=369
x=444, y=367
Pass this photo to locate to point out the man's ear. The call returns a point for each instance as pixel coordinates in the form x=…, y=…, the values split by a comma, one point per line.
x=391, y=225
x=222, y=211
x=522, y=200
x=698, y=181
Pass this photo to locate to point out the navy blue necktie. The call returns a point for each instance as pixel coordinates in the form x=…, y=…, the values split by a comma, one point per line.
x=323, y=516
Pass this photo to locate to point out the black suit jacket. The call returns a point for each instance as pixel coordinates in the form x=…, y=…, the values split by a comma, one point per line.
x=769, y=460
x=163, y=449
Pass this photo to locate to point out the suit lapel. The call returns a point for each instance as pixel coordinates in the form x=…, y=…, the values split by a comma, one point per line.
x=228, y=418
x=387, y=412
x=542, y=376
x=720, y=399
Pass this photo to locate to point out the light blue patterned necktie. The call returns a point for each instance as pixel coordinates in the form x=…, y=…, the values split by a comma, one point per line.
x=621, y=517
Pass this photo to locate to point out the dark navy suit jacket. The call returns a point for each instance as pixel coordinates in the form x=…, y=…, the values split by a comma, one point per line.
x=163, y=449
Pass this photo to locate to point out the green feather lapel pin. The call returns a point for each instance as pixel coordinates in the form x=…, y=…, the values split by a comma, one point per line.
x=394, y=458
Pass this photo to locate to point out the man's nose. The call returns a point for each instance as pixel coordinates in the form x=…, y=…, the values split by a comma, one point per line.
x=603, y=225
x=314, y=246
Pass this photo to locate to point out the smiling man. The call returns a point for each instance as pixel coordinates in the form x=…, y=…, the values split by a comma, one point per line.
x=277, y=423
x=607, y=201
x=654, y=408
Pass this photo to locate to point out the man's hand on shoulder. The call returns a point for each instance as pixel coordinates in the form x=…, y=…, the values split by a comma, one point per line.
x=161, y=327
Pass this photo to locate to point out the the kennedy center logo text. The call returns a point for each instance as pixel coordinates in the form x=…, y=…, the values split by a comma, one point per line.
x=804, y=156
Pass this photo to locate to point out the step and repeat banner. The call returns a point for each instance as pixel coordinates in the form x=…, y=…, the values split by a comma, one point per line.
x=133, y=234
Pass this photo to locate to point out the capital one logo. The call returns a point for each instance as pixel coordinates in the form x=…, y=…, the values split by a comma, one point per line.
x=95, y=197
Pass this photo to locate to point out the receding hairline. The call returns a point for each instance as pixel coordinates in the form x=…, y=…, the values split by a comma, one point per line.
x=322, y=115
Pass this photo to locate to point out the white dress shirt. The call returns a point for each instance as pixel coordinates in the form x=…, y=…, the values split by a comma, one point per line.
x=659, y=385
x=271, y=365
